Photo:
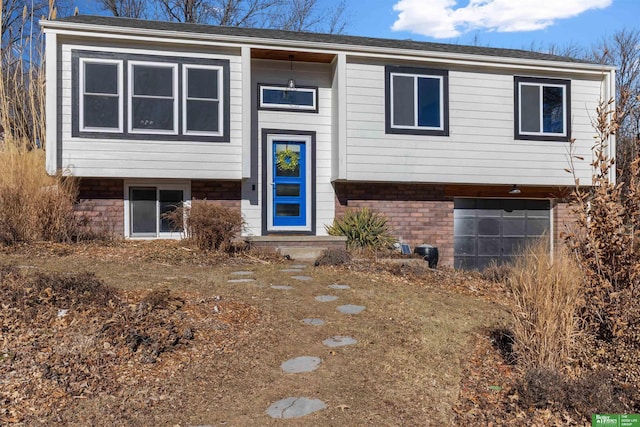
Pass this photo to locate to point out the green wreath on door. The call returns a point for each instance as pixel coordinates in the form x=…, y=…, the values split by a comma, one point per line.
x=287, y=160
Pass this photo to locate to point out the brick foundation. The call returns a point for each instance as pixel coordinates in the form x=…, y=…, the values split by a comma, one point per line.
x=423, y=213
x=417, y=213
x=101, y=202
x=227, y=193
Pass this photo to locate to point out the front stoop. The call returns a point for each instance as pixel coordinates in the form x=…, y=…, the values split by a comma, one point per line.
x=303, y=248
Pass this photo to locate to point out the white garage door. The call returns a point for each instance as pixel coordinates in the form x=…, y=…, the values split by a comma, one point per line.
x=495, y=229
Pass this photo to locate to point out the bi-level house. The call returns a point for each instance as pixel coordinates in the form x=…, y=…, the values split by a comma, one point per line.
x=461, y=147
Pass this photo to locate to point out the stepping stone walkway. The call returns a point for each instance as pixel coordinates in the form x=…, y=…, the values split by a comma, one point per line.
x=241, y=280
x=282, y=287
x=242, y=273
x=301, y=364
x=294, y=407
x=339, y=341
x=313, y=322
x=326, y=298
x=351, y=309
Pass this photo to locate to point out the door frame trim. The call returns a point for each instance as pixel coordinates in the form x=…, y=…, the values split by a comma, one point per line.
x=311, y=164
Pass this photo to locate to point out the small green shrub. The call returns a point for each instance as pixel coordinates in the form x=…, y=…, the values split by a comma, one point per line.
x=209, y=226
x=363, y=229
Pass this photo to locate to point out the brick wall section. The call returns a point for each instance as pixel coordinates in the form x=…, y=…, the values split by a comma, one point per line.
x=418, y=213
x=563, y=221
x=101, y=202
x=227, y=193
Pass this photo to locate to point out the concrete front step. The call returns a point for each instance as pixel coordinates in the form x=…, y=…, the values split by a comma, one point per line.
x=303, y=248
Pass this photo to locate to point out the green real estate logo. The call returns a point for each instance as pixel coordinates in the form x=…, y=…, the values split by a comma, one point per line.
x=615, y=420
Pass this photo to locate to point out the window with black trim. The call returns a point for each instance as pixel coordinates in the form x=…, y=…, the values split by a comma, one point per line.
x=134, y=96
x=417, y=101
x=284, y=98
x=101, y=96
x=542, y=109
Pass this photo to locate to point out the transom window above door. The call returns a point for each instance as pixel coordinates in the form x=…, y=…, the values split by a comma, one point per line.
x=417, y=101
x=542, y=109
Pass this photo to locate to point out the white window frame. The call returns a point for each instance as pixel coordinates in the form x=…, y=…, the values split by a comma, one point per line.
x=184, y=186
x=541, y=87
x=185, y=98
x=174, y=67
x=266, y=105
x=416, y=76
x=82, y=93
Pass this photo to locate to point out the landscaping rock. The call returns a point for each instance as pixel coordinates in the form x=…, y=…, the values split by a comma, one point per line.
x=295, y=407
x=241, y=280
x=326, y=298
x=339, y=341
x=303, y=278
x=291, y=270
x=313, y=322
x=301, y=364
x=242, y=273
x=340, y=287
x=351, y=309
x=282, y=287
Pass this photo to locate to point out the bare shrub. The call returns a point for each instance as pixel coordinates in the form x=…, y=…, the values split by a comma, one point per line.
x=547, y=296
x=495, y=272
x=333, y=257
x=208, y=225
x=33, y=205
x=541, y=387
x=606, y=237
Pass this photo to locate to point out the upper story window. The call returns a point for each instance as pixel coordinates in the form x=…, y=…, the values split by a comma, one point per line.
x=100, y=97
x=153, y=106
x=417, y=101
x=202, y=112
x=126, y=96
x=283, y=98
x=542, y=109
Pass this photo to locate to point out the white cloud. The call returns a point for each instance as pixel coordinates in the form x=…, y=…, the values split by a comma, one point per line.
x=444, y=18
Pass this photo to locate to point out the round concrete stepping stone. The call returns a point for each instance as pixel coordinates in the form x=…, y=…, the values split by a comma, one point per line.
x=303, y=278
x=282, y=287
x=313, y=322
x=339, y=341
x=326, y=298
x=301, y=364
x=340, y=287
x=351, y=309
x=291, y=270
x=242, y=273
x=295, y=407
x=241, y=280
x=299, y=266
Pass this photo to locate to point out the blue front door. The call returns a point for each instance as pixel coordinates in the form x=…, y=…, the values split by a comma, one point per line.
x=289, y=183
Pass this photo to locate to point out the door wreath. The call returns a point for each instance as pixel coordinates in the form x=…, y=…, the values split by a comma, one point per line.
x=287, y=160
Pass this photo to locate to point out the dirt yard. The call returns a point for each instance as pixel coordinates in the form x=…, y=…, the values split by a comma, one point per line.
x=229, y=331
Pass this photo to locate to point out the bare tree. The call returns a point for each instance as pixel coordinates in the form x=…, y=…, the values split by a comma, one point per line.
x=293, y=15
x=623, y=50
x=125, y=8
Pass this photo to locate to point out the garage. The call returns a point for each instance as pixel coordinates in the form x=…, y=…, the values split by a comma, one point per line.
x=495, y=229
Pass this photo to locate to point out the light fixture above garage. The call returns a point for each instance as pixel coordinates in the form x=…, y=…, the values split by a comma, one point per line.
x=515, y=190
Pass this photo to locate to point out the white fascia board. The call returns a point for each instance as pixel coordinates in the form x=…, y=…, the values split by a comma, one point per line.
x=173, y=37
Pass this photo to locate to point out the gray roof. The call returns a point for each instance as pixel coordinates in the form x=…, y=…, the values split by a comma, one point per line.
x=314, y=37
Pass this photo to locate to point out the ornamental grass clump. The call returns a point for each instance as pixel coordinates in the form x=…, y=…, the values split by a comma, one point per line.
x=363, y=228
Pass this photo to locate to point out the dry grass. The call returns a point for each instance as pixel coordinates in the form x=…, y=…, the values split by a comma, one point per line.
x=547, y=296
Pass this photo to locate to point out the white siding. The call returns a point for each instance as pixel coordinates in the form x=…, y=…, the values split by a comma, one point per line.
x=150, y=158
x=480, y=149
x=305, y=74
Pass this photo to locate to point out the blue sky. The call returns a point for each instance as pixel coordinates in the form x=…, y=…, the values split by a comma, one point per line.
x=519, y=24
x=498, y=23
